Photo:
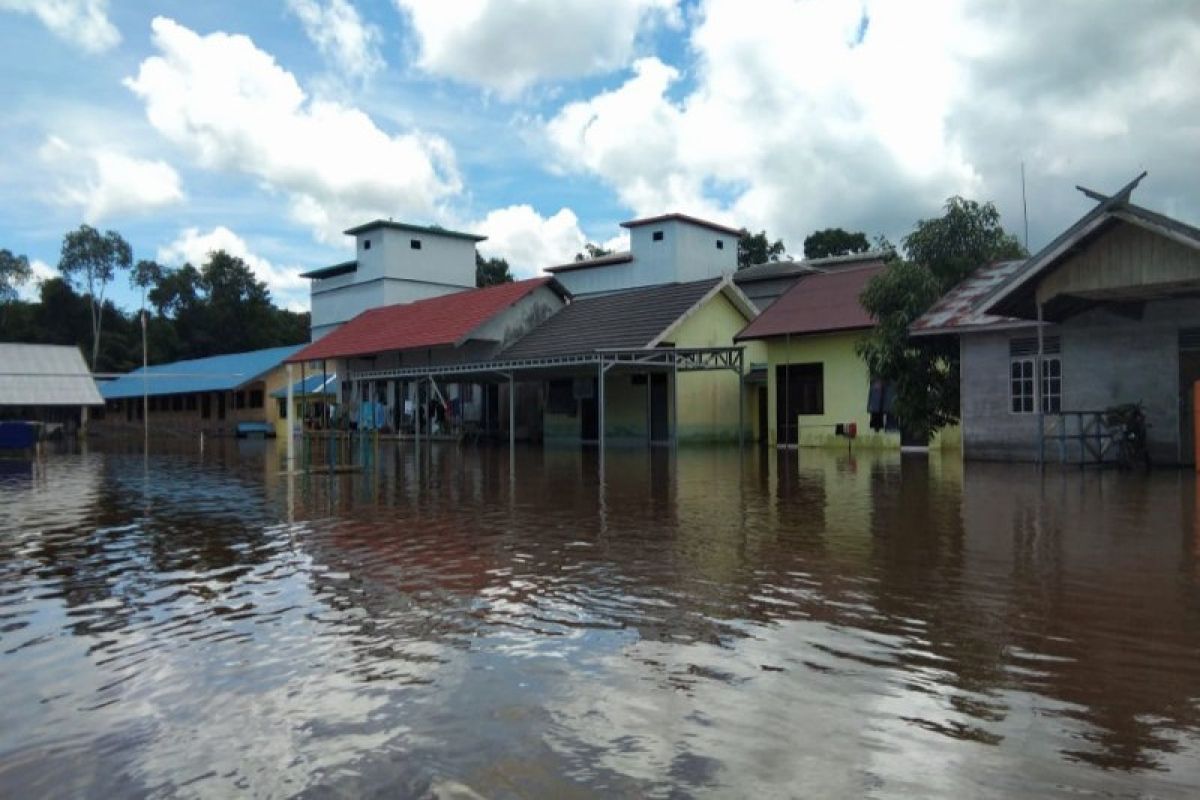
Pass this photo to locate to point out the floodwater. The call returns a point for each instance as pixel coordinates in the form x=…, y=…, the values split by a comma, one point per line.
x=708, y=623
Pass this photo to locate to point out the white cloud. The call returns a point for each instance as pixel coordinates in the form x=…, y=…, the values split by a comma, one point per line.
x=41, y=271
x=231, y=107
x=798, y=116
x=105, y=183
x=81, y=22
x=529, y=241
x=191, y=246
x=335, y=27
x=508, y=45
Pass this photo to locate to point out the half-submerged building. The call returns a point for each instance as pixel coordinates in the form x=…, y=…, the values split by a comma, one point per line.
x=48, y=384
x=1106, y=314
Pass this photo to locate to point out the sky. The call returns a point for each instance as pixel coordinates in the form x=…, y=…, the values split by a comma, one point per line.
x=267, y=128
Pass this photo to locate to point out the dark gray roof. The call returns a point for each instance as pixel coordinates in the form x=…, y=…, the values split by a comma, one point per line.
x=600, y=261
x=783, y=269
x=628, y=319
x=409, y=228
x=329, y=272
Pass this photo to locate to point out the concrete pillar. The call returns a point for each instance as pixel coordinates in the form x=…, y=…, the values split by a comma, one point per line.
x=290, y=412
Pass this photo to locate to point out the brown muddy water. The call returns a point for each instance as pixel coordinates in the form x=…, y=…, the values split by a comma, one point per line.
x=708, y=623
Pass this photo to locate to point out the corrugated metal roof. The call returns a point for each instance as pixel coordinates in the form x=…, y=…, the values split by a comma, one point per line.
x=962, y=308
x=629, y=319
x=424, y=323
x=343, y=268
x=45, y=375
x=212, y=374
x=820, y=303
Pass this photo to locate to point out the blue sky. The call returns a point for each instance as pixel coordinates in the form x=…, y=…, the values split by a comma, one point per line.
x=267, y=127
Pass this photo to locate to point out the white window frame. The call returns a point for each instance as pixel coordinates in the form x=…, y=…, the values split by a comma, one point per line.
x=1021, y=395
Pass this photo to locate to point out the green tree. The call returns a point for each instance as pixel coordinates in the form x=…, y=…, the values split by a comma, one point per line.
x=491, y=271
x=91, y=260
x=591, y=251
x=940, y=253
x=835, y=242
x=756, y=248
x=14, y=271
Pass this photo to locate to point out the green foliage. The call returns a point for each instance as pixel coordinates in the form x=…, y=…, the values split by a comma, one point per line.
x=491, y=271
x=91, y=260
x=835, y=242
x=941, y=252
x=591, y=251
x=756, y=248
x=219, y=308
x=14, y=271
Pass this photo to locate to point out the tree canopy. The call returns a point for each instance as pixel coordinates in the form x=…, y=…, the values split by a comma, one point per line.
x=835, y=242
x=757, y=248
x=491, y=271
x=90, y=260
x=940, y=253
x=591, y=251
x=219, y=308
x=14, y=271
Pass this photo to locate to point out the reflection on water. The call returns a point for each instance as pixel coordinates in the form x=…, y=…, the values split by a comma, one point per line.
x=194, y=623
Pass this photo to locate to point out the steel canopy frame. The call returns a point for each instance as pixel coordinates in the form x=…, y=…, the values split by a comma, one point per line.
x=675, y=359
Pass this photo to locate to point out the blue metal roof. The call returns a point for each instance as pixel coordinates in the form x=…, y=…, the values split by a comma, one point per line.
x=313, y=384
x=213, y=374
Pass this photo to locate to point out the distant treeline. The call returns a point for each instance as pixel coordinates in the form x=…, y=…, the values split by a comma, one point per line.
x=191, y=312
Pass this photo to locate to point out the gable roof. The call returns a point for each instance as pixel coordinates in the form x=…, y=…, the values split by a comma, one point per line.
x=45, y=375
x=630, y=319
x=410, y=228
x=1015, y=296
x=446, y=320
x=212, y=374
x=821, y=303
x=961, y=309
x=677, y=217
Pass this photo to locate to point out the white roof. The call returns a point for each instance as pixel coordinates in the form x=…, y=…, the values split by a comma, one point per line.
x=45, y=375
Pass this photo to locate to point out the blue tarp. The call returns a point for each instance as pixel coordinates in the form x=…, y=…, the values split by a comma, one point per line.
x=213, y=374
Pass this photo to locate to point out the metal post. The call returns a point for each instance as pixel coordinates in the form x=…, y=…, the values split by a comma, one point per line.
x=291, y=445
x=675, y=401
x=145, y=390
x=512, y=415
x=741, y=393
x=600, y=405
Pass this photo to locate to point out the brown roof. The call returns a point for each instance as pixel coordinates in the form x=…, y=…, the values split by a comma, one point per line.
x=636, y=223
x=820, y=303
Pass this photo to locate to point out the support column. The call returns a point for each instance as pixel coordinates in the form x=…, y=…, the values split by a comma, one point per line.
x=741, y=395
x=600, y=405
x=291, y=435
x=512, y=414
x=674, y=402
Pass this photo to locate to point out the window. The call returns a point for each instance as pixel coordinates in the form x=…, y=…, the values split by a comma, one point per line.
x=366, y=244
x=283, y=408
x=1023, y=358
x=720, y=244
x=256, y=398
x=177, y=403
x=1021, y=389
x=415, y=244
x=191, y=402
x=239, y=400
x=657, y=236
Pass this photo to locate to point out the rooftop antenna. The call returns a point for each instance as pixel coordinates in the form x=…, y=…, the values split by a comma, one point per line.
x=1024, y=206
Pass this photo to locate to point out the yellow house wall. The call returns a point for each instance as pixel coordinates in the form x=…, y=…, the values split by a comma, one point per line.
x=708, y=401
x=846, y=385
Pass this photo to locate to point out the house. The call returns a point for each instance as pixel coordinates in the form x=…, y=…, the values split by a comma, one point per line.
x=211, y=395
x=313, y=396
x=1107, y=313
x=642, y=365
x=388, y=355
x=816, y=385
x=670, y=248
x=766, y=283
x=46, y=383
x=395, y=262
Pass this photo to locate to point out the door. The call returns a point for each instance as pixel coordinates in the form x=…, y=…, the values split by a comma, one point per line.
x=1189, y=374
x=762, y=414
x=660, y=416
x=589, y=419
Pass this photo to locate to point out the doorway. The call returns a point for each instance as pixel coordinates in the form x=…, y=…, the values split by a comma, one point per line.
x=589, y=419
x=1189, y=374
x=660, y=416
x=762, y=415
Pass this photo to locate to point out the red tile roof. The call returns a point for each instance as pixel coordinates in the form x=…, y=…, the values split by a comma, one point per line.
x=425, y=323
x=820, y=303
